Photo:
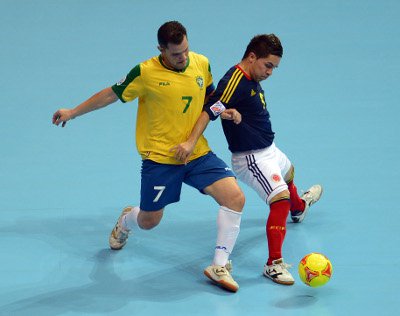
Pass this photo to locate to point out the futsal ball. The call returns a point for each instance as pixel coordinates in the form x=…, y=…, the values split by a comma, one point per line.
x=315, y=269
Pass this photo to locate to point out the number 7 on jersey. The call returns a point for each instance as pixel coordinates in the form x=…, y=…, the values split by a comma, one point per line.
x=188, y=100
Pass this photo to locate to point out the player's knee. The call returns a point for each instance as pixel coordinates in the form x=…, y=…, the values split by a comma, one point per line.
x=236, y=200
x=227, y=193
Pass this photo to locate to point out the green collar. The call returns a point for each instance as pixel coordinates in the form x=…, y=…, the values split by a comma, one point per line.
x=173, y=69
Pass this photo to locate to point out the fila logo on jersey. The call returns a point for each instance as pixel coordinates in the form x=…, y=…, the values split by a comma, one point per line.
x=217, y=108
x=165, y=83
x=252, y=93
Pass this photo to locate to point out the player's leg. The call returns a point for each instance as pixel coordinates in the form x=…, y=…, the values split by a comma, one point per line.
x=296, y=203
x=275, y=268
x=261, y=171
x=210, y=175
x=300, y=204
x=160, y=185
x=131, y=218
x=229, y=196
x=231, y=200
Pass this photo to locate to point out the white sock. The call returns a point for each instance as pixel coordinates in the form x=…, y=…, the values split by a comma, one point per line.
x=228, y=224
x=129, y=220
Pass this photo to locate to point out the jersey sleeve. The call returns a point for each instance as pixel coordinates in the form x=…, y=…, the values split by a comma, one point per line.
x=209, y=81
x=130, y=87
x=215, y=106
x=210, y=89
x=225, y=95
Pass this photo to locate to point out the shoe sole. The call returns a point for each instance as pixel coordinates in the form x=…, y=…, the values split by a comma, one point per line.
x=116, y=248
x=278, y=281
x=225, y=285
x=301, y=217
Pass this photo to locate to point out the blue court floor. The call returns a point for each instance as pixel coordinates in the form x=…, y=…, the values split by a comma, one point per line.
x=334, y=103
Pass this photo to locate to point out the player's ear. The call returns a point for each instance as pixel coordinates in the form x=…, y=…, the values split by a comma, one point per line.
x=161, y=48
x=252, y=57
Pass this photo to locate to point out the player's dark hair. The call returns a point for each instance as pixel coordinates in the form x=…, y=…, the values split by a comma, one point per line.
x=171, y=32
x=264, y=45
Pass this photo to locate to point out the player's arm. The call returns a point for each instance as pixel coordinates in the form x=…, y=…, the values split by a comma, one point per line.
x=204, y=119
x=184, y=150
x=97, y=101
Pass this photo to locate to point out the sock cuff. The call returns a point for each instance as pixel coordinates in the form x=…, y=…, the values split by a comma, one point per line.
x=227, y=209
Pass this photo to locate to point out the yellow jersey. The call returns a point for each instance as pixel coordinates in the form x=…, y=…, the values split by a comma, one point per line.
x=169, y=104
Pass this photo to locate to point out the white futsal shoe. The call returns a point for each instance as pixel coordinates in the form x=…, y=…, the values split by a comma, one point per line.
x=311, y=196
x=119, y=235
x=278, y=272
x=222, y=276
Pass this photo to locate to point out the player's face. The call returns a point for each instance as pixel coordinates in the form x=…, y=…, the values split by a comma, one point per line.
x=176, y=56
x=262, y=68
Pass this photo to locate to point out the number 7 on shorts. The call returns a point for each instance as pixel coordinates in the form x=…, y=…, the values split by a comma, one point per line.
x=160, y=189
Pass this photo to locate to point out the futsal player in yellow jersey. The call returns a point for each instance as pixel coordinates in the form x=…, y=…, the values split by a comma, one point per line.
x=171, y=89
x=170, y=101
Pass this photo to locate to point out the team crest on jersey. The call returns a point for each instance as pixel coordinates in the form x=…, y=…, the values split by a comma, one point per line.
x=217, y=108
x=200, y=81
x=121, y=81
x=252, y=93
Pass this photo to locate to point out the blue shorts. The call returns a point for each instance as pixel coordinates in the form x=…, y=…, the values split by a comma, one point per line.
x=161, y=183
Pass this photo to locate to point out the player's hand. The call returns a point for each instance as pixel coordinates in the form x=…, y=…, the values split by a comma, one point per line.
x=62, y=115
x=232, y=115
x=183, y=151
